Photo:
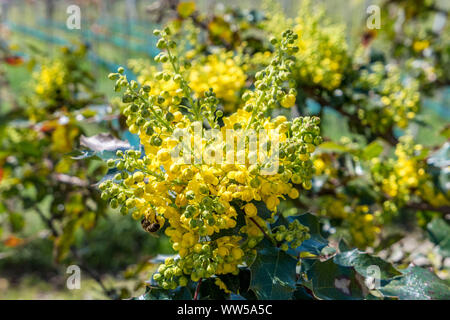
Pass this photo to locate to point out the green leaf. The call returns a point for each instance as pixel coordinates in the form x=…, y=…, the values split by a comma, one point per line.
x=263, y=212
x=82, y=154
x=331, y=281
x=333, y=146
x=439, y=233
x=372, y=150
x=316, y=242
x=273, y=274
x=364, y=264
x=417, y=284
x=302, y=294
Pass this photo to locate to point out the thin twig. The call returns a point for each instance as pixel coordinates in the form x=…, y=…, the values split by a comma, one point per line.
x=197, y=290
x=264, y=232
x=94, y=275
x=47, y=221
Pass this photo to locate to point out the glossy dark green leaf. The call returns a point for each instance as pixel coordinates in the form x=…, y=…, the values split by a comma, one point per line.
x=301, y=293
x=331, y=281
x=366, y=264
x=263, y=212
x=417, y=284
x=273, y=274
x=439, y=233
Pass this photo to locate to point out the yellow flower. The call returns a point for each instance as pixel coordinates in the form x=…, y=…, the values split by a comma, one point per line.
x=250, y=210
x=288, y=101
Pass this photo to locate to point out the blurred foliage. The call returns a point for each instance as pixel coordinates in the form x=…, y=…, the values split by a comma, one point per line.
x=50, y=208
x=382, y=171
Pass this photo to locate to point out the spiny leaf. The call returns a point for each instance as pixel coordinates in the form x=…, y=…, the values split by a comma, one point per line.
x=273, y=274
x=365, y=264
x=417, y=284
x=331, y=281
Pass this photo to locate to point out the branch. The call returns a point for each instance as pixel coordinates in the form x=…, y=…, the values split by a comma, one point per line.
x=47, y=221
x=427, y=207
x=197, y=290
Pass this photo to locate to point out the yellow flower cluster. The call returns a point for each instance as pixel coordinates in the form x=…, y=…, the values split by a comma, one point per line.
x=222, y=73
x=200, y=200
x=63, y=137
x=362, y=227
x=420, y=45
x=209, y=186
x=148, y=74
x=49, y=78
x=323, y=55
x=398, y=98
x=406, y=175
x=323, y=165
x=398, y=176
x=50, y=89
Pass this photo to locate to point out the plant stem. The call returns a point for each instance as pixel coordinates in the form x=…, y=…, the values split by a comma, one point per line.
x=264, y=232
x=197, y=290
